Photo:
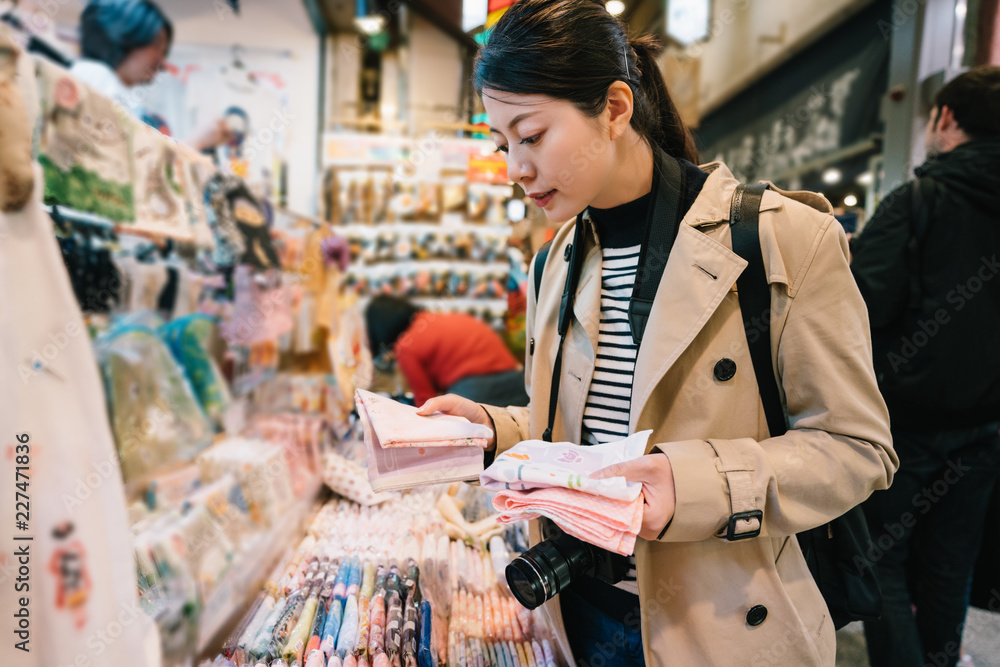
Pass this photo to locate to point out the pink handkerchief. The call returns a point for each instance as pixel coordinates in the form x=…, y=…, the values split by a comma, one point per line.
x=407, y=450
x=605, y=522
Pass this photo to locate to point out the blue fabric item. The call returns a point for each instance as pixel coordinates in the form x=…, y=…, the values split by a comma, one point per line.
x=188, y=338
x=110, y=29
x=425, y=657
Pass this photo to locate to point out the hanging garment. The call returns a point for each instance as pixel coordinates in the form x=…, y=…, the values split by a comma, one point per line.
x=82, y=571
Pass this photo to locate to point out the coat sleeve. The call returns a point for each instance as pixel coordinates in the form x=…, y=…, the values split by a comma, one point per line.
x=838, y=447
x=879, y=264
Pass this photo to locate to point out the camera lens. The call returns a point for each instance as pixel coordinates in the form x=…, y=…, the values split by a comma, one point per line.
x=544, y=570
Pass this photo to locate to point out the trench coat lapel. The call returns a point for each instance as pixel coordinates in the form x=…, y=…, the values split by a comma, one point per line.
x=698, y=275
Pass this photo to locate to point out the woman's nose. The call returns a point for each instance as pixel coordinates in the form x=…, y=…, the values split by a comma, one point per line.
x=519, y=170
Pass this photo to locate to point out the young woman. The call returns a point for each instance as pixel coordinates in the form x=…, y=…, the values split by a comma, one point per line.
x=582, y=113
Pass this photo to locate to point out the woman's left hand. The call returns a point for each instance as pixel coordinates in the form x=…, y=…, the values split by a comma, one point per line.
x=657, y=477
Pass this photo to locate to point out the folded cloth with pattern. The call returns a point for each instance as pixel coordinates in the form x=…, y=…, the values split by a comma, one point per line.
x=552, y=479
x=406, y=449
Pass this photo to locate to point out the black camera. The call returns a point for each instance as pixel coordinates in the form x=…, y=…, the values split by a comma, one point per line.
x=550, y=566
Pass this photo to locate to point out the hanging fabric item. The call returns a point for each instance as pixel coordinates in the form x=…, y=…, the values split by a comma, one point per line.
x=85, y=147
x=82, y=574
x=229, y=245
x=260, y=313
x=168, y=188
x=190, y=339
x=240, y=224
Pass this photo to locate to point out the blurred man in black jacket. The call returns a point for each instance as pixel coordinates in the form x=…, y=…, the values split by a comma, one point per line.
x=928, y=265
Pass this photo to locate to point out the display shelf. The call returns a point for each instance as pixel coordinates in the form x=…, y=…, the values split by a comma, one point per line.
x=363, y=230
x=400, y=267
x=245, y=578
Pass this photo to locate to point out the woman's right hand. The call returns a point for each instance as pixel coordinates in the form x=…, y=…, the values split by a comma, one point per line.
x=450, y=404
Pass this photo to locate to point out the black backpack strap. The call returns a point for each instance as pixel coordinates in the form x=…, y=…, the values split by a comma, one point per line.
x=540, y=258
x=837, y=552
x=661, y=231
x=755, y=300
x=574, y=255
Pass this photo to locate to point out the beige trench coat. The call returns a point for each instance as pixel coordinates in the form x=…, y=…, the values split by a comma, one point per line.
x=695, y=587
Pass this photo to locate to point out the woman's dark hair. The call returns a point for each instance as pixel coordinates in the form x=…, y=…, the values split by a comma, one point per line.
x=974, y=98
x=574, y=50
x=110, y=29
x=387, y=318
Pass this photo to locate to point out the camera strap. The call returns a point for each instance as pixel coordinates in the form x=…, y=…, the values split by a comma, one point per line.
x=662, y=223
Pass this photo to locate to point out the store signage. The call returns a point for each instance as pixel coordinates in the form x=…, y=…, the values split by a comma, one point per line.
x=490, y=168
x=349, y=148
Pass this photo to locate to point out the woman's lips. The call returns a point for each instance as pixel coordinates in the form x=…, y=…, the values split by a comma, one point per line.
x=543, y=199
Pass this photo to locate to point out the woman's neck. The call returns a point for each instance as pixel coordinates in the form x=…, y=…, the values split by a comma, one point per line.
x=632, y=175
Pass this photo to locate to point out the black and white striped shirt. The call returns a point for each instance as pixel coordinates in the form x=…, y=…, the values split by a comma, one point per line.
x=609, y=401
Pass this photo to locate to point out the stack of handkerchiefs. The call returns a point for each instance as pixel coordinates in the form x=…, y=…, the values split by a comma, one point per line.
x=406, y=449
x=552, y=479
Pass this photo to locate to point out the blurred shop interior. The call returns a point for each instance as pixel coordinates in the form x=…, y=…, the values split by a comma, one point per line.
x=220, y=289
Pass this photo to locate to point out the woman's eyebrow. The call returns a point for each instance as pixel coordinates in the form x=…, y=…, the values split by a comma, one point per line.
x=517, y=119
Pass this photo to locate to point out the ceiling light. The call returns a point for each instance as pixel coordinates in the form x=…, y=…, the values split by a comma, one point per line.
x=866, y=178
x=369, y=25
x=850, y=200
x=615, y=7
x=832, y=175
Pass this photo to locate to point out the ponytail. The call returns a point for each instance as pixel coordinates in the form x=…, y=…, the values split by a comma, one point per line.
x=654, y=114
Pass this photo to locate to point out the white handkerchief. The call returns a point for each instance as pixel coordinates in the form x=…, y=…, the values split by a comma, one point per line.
x=535, y=464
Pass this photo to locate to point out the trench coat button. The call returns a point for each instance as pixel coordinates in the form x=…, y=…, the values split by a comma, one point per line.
x=725, y=369
x=531, y=347
x=756, y=615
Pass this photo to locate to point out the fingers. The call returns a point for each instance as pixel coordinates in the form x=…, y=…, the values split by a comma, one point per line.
x=630, y=470
x=437, y=404
x=450, y=404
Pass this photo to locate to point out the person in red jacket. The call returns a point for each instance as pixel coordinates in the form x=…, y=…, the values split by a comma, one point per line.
x=441, y=353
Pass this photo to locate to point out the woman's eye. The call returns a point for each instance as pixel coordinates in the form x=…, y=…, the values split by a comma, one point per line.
x=501, y=149
x=531, y=140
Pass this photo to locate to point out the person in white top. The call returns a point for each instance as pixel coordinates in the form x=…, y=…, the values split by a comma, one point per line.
x=124, y=45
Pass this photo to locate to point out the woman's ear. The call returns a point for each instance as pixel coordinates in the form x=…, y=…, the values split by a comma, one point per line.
x=619, y=108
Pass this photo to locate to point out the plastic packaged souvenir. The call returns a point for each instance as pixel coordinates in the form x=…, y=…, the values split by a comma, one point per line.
x=155, y=416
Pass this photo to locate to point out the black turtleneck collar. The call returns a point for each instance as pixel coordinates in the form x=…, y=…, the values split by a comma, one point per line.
x=624, y=226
